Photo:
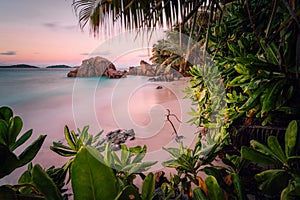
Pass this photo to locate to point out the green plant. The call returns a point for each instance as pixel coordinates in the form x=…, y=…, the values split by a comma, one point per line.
x=189, y=162
x=92, y=155
x=92, y=179
x=284, y=177
x=258, y=58
x=128, y=164
x=33, y=181
x=74, y=143
x=10, y=128
x=34, y=184
x=36, y=181
x=207, y=93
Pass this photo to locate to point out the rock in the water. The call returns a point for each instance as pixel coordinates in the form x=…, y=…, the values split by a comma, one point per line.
x=97, y=66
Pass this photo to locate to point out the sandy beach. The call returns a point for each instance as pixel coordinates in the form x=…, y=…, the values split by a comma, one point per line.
x=142, y=108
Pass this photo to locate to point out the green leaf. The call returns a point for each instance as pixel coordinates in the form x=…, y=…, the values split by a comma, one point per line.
x=213, y=188
x=175, y=152
x=91, y=179
x=69, y=138
x=291, y=135
x=198, y=194
x=263, y=149
x=139, y=157
x=276, y=148
x=269, y=101
x=256, y=156
x=26, y=178
x=44, y=184
x=60, y=145
x=9, y=161
x=21, y=140
x=292, y=191
x=30, y=152
x=138, y=167
x=116, y=161
x=108, y=159
x=14, y=130
x=95, y=153
x=63, y=152
x=273, y=180
x=125, y=155
x=237, y=183
x=148, y=187
x=3, y=133
x=6, y=113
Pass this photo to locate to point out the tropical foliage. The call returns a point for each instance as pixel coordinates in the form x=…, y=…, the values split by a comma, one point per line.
x=284, y=178
x=10, y=128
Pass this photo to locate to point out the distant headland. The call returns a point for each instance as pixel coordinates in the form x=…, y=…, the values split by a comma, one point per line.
x=19, y=66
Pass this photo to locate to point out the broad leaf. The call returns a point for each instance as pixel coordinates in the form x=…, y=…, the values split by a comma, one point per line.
x=5, y=113
x=255, y=156
x=8, y=161
x=276, y=148
x=214, y=190
x=14, y=130
x=291, y=138
x=45, y=184
x=91, y=179
x=272, y=181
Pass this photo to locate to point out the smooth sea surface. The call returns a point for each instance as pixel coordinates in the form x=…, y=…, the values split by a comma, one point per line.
x=47, y=100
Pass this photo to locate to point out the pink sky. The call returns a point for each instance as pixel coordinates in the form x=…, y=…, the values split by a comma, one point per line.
x=46, y=32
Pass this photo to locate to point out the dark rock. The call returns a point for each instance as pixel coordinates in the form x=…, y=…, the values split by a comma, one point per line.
x=96, y=66
x=72, y=73
x=119, y=137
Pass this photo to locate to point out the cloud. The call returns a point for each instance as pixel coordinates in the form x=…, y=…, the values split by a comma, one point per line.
x=50, y=25
x=56, y=26
x=8, y=53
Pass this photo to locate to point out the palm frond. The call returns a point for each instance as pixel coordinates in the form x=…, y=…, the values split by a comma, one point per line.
x=132, y=14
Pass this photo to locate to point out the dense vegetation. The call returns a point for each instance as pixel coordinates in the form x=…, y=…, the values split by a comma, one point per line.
x=254, y=75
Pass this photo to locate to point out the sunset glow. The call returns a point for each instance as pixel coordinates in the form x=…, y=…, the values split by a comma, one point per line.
x=46, y=32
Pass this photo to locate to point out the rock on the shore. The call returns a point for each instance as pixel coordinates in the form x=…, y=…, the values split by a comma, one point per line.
x=156, y=72
x=97, y=66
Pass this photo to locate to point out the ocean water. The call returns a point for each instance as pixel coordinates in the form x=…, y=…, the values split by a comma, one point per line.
x=47, y=100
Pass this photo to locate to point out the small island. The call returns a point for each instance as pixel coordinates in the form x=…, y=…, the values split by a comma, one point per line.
x=18, y=66
x=59, y=66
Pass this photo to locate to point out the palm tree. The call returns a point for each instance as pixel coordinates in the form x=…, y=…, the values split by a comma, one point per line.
x=131, y=14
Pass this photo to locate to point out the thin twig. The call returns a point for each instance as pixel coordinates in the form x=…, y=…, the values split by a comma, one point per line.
x=168, y=115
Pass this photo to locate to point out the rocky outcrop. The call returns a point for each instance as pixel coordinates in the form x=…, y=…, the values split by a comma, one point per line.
x=156, y=72
x=97, y=66
x=119, y=137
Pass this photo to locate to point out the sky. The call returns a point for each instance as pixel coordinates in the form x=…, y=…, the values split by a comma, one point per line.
x=47, y=32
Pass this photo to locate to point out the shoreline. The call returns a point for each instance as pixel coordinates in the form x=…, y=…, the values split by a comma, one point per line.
x=145, y=107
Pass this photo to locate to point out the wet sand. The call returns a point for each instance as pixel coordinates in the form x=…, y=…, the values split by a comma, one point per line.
x=142, y=108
